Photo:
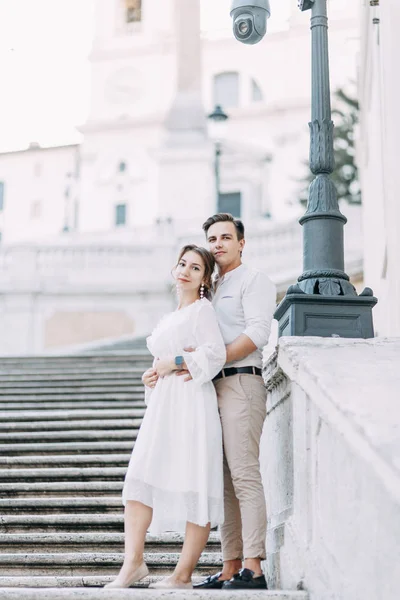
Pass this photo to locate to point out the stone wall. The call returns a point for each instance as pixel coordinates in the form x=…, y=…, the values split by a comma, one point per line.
x=330, y=460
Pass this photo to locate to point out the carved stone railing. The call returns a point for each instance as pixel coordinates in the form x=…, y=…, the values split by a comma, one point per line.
x=331, y=474
x=85, y=264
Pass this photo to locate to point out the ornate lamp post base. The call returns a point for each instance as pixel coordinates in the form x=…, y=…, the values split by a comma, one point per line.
x=301, y=314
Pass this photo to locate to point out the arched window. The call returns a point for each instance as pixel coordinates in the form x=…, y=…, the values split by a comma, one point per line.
x=133, y=11
x=256, y=92
x=226, y=89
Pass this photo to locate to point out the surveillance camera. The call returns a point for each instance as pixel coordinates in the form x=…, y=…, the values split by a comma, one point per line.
x=250, y=20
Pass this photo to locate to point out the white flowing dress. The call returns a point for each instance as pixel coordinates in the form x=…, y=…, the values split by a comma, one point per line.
x=176, y=464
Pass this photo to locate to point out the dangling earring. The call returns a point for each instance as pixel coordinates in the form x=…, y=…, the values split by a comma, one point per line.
x=202, y=291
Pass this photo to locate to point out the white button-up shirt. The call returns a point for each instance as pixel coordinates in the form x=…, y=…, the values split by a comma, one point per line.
x=245, y=300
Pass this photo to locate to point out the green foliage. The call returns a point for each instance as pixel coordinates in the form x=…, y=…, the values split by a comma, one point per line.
x=345, y=175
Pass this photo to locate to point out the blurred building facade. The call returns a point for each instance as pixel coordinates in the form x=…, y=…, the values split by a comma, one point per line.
x=378, y=157
x=117, y=179
x=90, y=231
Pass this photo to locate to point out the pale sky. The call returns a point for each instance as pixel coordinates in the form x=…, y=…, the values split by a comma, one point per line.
x=44, y=45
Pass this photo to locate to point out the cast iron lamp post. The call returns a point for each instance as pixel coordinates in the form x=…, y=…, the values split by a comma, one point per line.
x=323, y=302
x=218, y=116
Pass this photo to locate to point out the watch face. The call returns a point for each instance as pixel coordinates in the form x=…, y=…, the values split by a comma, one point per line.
x=124, y=86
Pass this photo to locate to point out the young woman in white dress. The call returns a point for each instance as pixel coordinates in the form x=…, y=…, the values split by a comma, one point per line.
x=174, y=480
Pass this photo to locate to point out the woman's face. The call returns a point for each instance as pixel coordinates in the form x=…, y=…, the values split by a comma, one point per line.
x=189, y=272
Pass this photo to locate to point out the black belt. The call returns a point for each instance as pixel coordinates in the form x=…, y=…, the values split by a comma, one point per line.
x=236, y=371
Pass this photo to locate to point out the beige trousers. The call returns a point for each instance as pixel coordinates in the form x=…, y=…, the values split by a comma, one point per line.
x=242, y=408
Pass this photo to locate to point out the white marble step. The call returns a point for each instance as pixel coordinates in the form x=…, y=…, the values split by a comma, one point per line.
x=19, y=489
x=88, y=404
x=84, y=563
x=46, y=523
x=83, y=435
x=65, y=448
x=67, y=383
x=75, y=373
x=72, y=460
x=58, y=394
x=93, y=504
x=63, y=588
x=51, y=474
x=66, y=358
x=97, y=389
x=47, y=426
x=89, y=541
x=111, y=374
x=107, y=363
x=79, y=413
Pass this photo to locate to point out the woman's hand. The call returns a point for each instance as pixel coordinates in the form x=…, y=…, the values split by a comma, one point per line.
x=164, y=366
x=150, y=377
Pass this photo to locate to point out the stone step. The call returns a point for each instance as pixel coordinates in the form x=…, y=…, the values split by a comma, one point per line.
x=89, y=587
x=87, y=363
x=93, y=504
x=76, y=374
x=59, y=394
x=66, y=384
x=78, y=369
x=17, y=489
x=73, y=460
x=75, y=401
x=65, y=474
x=89, y=404
x=84, y=563
x=61, y=522
x=15, y=417
x=62, y=359
x=78, y=435
x=47, y=426
x=92, y=542
x=96, y=388
x=66, y=447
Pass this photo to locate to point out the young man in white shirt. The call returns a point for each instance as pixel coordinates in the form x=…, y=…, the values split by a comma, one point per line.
x=244, y=300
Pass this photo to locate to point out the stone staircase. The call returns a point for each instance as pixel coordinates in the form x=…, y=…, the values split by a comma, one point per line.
x=67, y=428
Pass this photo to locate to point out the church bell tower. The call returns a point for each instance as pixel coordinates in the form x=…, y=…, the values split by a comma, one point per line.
x=145, y=154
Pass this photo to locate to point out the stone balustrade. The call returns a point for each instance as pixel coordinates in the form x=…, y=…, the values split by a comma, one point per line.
x=330, y=462
x=78, y=290
x=276, y=249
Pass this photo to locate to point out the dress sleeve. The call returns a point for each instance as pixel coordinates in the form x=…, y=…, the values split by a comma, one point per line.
x=210, y=354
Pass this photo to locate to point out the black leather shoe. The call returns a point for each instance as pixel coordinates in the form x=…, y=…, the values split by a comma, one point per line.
x=245, y=580
x=211, y=583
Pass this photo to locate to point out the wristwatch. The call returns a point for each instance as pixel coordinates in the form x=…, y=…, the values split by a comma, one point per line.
x=179, y=360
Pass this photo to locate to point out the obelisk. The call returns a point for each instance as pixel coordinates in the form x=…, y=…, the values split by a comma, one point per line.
x=186, y=158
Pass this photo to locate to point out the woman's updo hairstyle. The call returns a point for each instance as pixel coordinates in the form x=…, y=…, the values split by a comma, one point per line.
x=209, y=264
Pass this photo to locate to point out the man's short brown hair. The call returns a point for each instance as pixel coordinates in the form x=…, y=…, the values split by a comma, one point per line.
x=223, y=218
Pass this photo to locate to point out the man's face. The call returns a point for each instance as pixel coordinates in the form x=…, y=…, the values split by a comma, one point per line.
x=224, y=244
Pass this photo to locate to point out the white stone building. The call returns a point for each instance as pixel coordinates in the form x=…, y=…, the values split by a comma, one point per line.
x=120, y=176
x=378, y=151
x=90, y=230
